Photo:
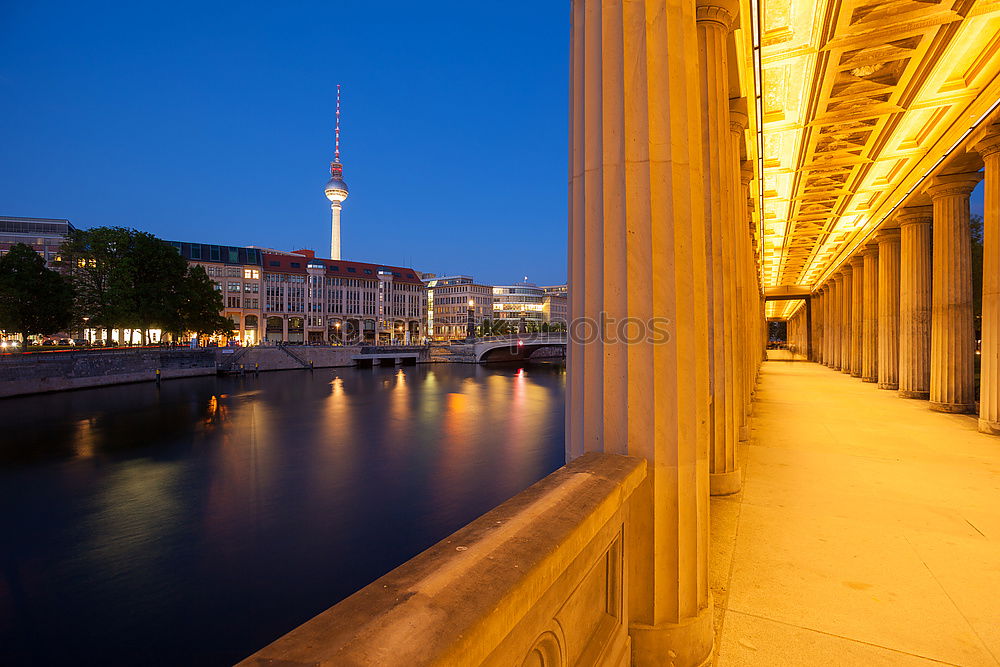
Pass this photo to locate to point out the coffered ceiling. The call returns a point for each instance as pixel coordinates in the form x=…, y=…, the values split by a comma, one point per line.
x=859, y=101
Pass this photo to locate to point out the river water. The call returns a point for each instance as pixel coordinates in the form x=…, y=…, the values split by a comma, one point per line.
x=196, y=522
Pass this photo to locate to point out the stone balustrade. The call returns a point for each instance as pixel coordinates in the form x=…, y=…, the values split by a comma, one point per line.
x=540, y=580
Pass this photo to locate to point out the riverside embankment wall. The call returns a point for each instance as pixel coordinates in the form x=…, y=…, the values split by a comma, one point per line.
x=82, y=369
x=290, y=357
x=57, y=371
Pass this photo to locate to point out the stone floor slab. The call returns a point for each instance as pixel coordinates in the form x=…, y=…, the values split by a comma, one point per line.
x=867, y=530
x=757, y=641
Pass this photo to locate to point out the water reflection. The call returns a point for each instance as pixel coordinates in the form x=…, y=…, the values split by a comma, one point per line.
x=193, y=523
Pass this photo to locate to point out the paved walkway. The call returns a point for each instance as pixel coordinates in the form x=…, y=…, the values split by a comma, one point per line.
x=867, y=531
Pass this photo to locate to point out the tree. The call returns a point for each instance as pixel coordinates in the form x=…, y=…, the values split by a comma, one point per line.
x=33, y=298
x=156, y=275
x=94, y=261
x=200, y=305
x=125, y=278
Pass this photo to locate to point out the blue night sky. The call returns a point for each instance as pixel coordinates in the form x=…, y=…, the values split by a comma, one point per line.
x=213, y=122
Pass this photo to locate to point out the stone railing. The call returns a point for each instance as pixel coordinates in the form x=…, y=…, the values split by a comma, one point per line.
x=539, y=580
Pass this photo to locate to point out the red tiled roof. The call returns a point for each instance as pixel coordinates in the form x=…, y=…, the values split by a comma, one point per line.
x=283, y=264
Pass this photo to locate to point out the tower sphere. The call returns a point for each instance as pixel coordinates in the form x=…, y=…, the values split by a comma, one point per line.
x=336, y=188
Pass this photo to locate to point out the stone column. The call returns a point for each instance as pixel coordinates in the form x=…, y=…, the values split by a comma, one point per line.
x=736, y=233
x=836, y=315
x=825, y=307
x=818, y=324
x=888, y=309
x=713, y=30
x=846, y=313
x=828, y=298
x=953, y=342
x=750, y=291
x=869, y=318
x=989, y=359
x=915, y=302
x=857, y=312
x=637, y=207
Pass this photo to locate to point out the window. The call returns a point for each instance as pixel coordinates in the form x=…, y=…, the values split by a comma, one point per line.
x=235, y=287
x=351, y=269
x=368, y=272
x=251, y=274
x=233, y=302
x=296, y=265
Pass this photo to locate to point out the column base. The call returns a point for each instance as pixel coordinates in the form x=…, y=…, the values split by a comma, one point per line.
x=986, y=426
x=864, y=379
x=953, y=408
x=725, y=483
x=685, y=644
x=888, y=385
x=855, y=374
x=909, y=393
x=835, y=367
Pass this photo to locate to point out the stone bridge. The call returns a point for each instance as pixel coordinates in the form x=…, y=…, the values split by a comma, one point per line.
x=514, y=347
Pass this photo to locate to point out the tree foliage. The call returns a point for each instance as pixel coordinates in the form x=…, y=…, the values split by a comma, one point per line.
x=202, y=304
x=125, y=278
x=33, y=298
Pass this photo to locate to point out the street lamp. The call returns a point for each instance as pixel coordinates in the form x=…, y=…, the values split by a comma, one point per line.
x=470, y=332
x=336, y=325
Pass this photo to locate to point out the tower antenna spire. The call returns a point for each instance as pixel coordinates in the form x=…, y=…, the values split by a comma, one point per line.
x=336, y=188
x=336, y=150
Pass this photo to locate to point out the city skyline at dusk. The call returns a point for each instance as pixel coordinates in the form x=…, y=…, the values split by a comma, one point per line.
x=191, y=136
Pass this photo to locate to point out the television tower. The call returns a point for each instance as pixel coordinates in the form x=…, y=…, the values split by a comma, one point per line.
x=336, y=188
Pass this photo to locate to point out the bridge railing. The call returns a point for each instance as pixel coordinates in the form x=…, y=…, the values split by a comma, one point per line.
x=539, y=337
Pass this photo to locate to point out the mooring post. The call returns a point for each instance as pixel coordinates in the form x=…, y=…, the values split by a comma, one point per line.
x=157, y=377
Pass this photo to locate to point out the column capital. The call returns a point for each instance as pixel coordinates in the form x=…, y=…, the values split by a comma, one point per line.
x=746, y=174
x=738, y=118
x=857, y=262
x=870, y=250
x=722, y=12
x=952, y=185
x=887, y=235
x=846, y=270
x=989, y=144
x=911, y=215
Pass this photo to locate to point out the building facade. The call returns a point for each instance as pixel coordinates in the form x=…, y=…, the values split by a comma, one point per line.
x=555, y=307
x=238, y=275
x=45, y=235
x=312, y=300
x=449, y=300
x=519, y=303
